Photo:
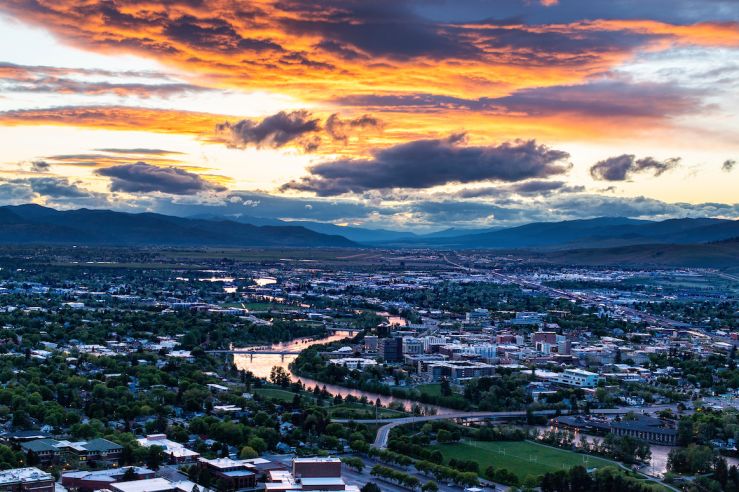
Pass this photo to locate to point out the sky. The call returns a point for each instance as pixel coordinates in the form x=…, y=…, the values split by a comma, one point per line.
x=406, y=115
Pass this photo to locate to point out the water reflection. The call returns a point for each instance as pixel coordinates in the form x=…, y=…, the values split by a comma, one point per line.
x=261, y=365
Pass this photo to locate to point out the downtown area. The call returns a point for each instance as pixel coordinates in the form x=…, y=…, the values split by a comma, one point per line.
x=163, y=370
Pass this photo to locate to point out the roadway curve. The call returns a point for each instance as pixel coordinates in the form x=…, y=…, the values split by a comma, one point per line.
x=384, y=432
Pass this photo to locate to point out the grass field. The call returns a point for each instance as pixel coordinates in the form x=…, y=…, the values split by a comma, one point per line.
x=277, y=394
x=362, y=411
x=430, y=389
x=523, y=458
x=354, y=410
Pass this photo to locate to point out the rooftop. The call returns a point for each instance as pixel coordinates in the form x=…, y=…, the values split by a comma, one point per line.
x=19, y=475
x=149, y=485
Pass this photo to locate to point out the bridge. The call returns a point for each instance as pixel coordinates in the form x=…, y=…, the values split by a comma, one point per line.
x=254, y=352
x=383, y=433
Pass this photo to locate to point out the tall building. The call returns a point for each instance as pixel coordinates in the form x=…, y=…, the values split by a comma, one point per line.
x=391, y=349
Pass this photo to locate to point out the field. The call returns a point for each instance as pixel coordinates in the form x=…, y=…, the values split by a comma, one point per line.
x=362, y=411
x=274, y=393
x=430, y=389
x=523, y=458
x=354, y=410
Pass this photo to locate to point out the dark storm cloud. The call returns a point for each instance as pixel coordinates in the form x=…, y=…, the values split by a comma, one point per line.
x=341, y=50
x=57, y=188
x=428, y=163
x=40, y=166
x=625, y=166
x=300, y=127
x=378, y=28
x=141, y=177
x=273, y=131
x=340, y=129
x=545, y=188
x=12, y=193
x=604, y=99
x=728, y=165
x=55, y=191
x=597, y=99
x=524, y=45
x=680, y=11
x=531, y=188
x=214, y=34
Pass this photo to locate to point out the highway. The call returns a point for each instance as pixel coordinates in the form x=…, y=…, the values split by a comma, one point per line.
x=552, y=292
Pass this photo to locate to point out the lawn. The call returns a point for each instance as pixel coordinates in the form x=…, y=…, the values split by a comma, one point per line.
x=523, y=458
x=354, y=410
x=433, y=389
x=277, y=394
x=362, y=411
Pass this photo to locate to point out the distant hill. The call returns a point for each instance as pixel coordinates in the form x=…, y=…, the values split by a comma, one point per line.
x=723, y=255
x=357, y=234
x=34, y=224
x=595, y=233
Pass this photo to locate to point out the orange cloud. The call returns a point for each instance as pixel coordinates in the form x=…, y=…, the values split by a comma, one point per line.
x=117, y=118
x=320, y=52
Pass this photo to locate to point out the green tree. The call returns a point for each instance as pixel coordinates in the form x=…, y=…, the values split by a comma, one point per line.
x=430, y=486
x=247, y=452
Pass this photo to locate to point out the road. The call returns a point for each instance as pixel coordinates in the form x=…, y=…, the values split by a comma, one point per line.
x=552, y=292
x=384, y=432
x=353, y=477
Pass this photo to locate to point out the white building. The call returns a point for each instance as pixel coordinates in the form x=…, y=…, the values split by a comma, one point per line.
x=353, y=362
x=578, y=378
x=177, y=452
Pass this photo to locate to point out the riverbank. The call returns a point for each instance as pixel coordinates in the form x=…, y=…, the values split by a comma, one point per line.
x=261, y=366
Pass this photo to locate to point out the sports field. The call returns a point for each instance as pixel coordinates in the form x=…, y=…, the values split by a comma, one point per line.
x=523, y=458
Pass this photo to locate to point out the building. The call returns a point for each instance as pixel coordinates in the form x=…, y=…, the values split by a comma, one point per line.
x=412, y=346
x=318, y=474
x=540, y=336
x=371, y=343
x=156, y=485
x=478, y=317
x=88, y=481
x=525, y=318
x=391, y=349
x=457, y=370
x=177, y=452
x=236, y=474
x=578, y=378
x=316, y=467
x=650, y=429
x=41, y=451
x=26, y=480
x=74, y=453
x=353, y=363
x=94, y=450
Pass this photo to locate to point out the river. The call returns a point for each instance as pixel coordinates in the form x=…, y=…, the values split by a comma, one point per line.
x=261, y=365
x=660, y=454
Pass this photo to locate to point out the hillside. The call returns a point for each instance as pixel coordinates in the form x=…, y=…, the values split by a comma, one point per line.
x=34, y=224
x=723, y=255
x=596, y=233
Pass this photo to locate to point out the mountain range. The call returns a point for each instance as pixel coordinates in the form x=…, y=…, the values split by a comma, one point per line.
x=34, y=224
x=590, y=233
